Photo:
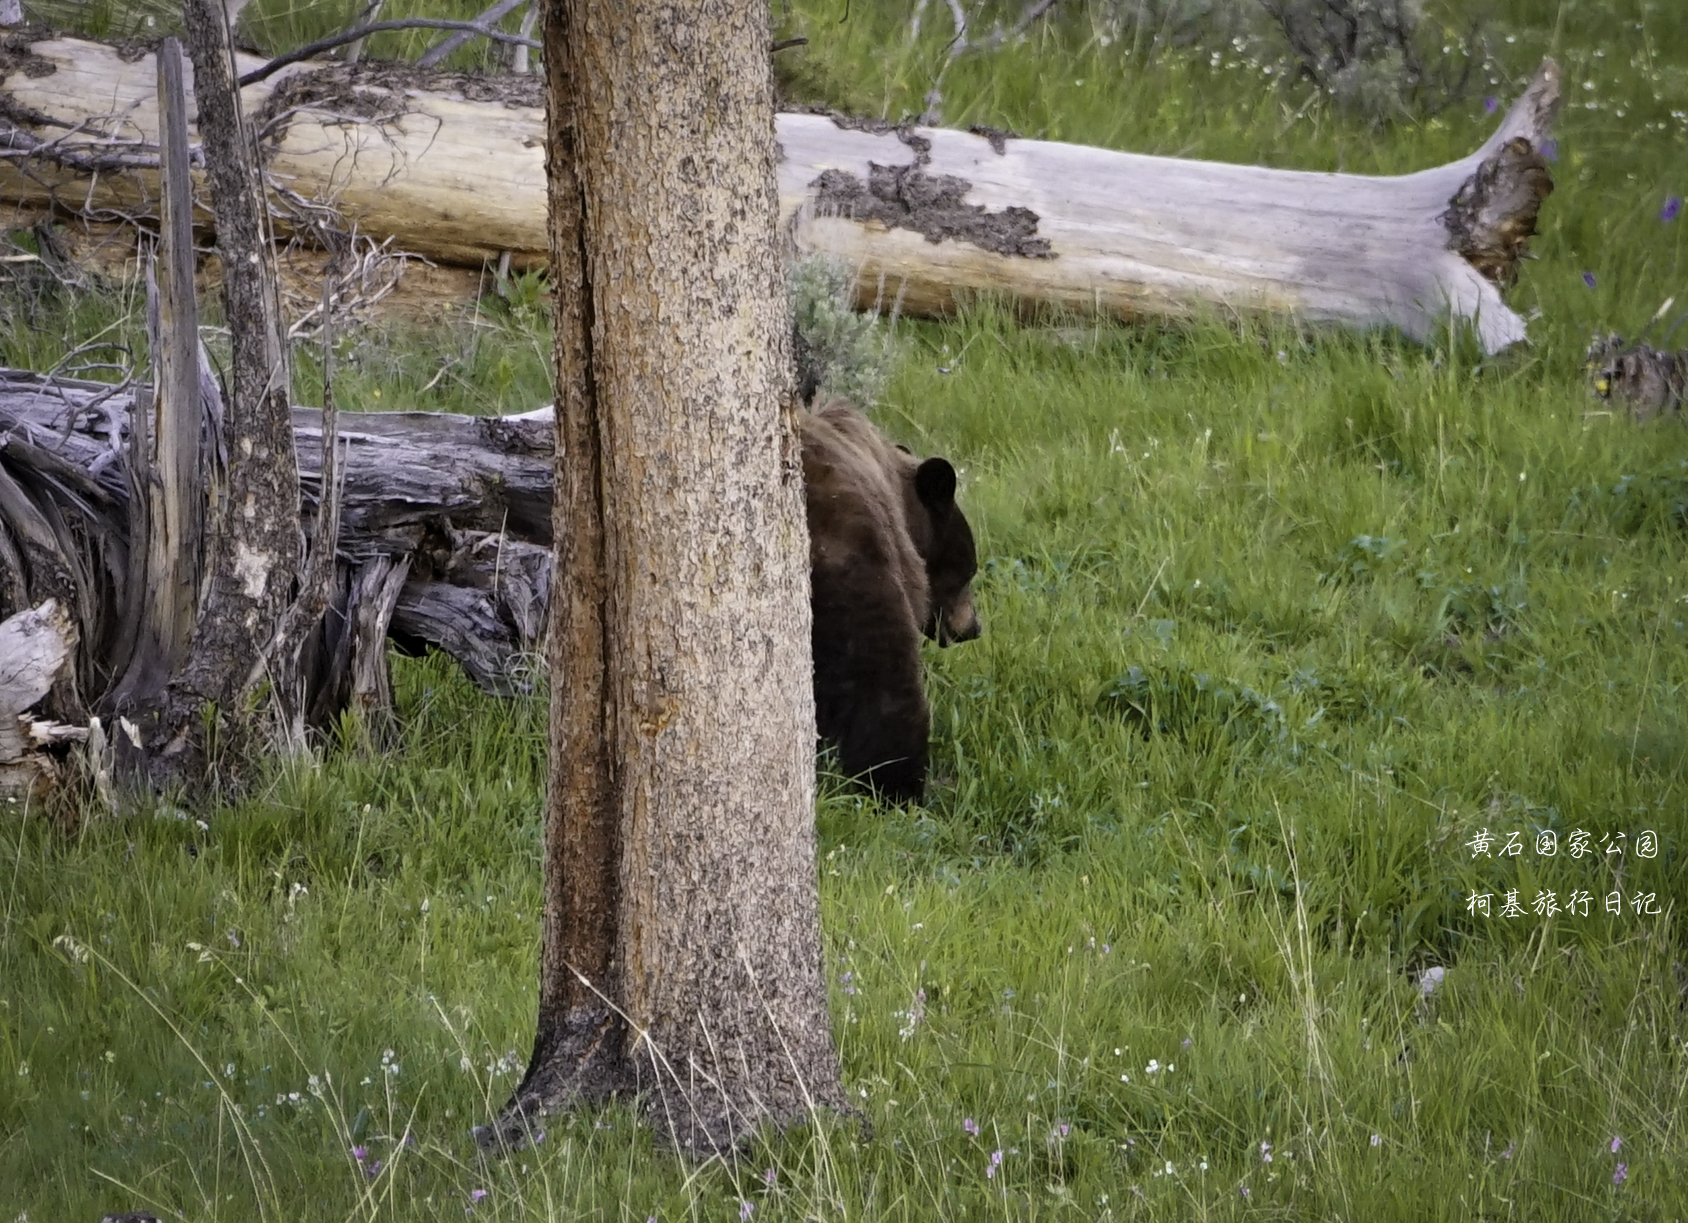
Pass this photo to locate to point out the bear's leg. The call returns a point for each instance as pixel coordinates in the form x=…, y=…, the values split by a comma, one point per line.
x=868, y=695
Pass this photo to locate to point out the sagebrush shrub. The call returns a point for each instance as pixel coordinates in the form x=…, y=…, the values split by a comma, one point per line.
x=838, y=351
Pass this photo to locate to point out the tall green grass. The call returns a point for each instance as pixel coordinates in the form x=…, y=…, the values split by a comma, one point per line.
x=1277, y=623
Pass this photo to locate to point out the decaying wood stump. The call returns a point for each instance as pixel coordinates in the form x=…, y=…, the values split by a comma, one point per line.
x=452, y=167
x=1650, y=382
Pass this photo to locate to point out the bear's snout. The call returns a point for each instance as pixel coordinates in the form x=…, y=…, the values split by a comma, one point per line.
x=957, y=622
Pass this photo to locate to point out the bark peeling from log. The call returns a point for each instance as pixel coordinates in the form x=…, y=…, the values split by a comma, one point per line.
x=1492, y=216
x=377, y=91
x=933, y=205
x=16, y=56
x=997, y=137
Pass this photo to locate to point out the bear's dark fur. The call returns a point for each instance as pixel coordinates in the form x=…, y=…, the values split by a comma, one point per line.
x=890, y=557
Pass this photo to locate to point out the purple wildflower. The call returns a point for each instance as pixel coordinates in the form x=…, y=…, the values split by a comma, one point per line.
x=1490, y=105
x=1672, y=209
x=1616, y=1143
x=744, y=1209
x=359, y=1153
x=1550, y=149
x=1265, y=1152
x=995, y=1163
x=374, y=1169
x=1243, y=1189
x=1588, y=279
x=971, y=1126
x=476, y=1195
x=1510, y=1148
x=1621, y=1175
x=769, y=1177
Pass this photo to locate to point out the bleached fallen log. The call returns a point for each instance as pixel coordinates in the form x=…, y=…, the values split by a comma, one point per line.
x=453, y=168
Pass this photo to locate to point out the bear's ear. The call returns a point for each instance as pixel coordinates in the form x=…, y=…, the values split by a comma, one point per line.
x=934, y=483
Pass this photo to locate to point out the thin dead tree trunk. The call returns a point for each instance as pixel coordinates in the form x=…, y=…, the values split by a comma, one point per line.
x=253, y=549
x=165, y=448
x=681, y=933
x=371, y=13
x=174, y=547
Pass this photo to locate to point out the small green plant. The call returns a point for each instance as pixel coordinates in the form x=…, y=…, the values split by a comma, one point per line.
x=839, y=351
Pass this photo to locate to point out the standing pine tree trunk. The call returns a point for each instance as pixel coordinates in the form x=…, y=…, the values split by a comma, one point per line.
x=681, y=934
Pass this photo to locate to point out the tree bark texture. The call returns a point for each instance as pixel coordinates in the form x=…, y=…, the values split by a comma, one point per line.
x=1650, y=381
x=683, y=731
x=928, y=216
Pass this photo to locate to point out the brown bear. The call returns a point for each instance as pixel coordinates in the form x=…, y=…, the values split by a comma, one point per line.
x=890, y=557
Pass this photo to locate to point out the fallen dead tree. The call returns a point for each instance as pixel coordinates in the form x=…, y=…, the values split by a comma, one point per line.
x=444, y=542
x=452, y=167
x=154, y=573
x=445, y=531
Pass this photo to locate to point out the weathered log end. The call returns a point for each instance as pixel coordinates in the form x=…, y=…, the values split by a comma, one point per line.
x=1652, y=383
x=1492, y=216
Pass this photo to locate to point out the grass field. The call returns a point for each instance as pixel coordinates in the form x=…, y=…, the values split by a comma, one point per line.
x=1277, y=625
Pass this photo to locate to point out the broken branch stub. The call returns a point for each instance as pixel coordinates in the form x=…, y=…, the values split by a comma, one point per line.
x=930, y=216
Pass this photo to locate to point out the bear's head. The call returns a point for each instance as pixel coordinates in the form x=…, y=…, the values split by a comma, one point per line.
x=945, y=542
